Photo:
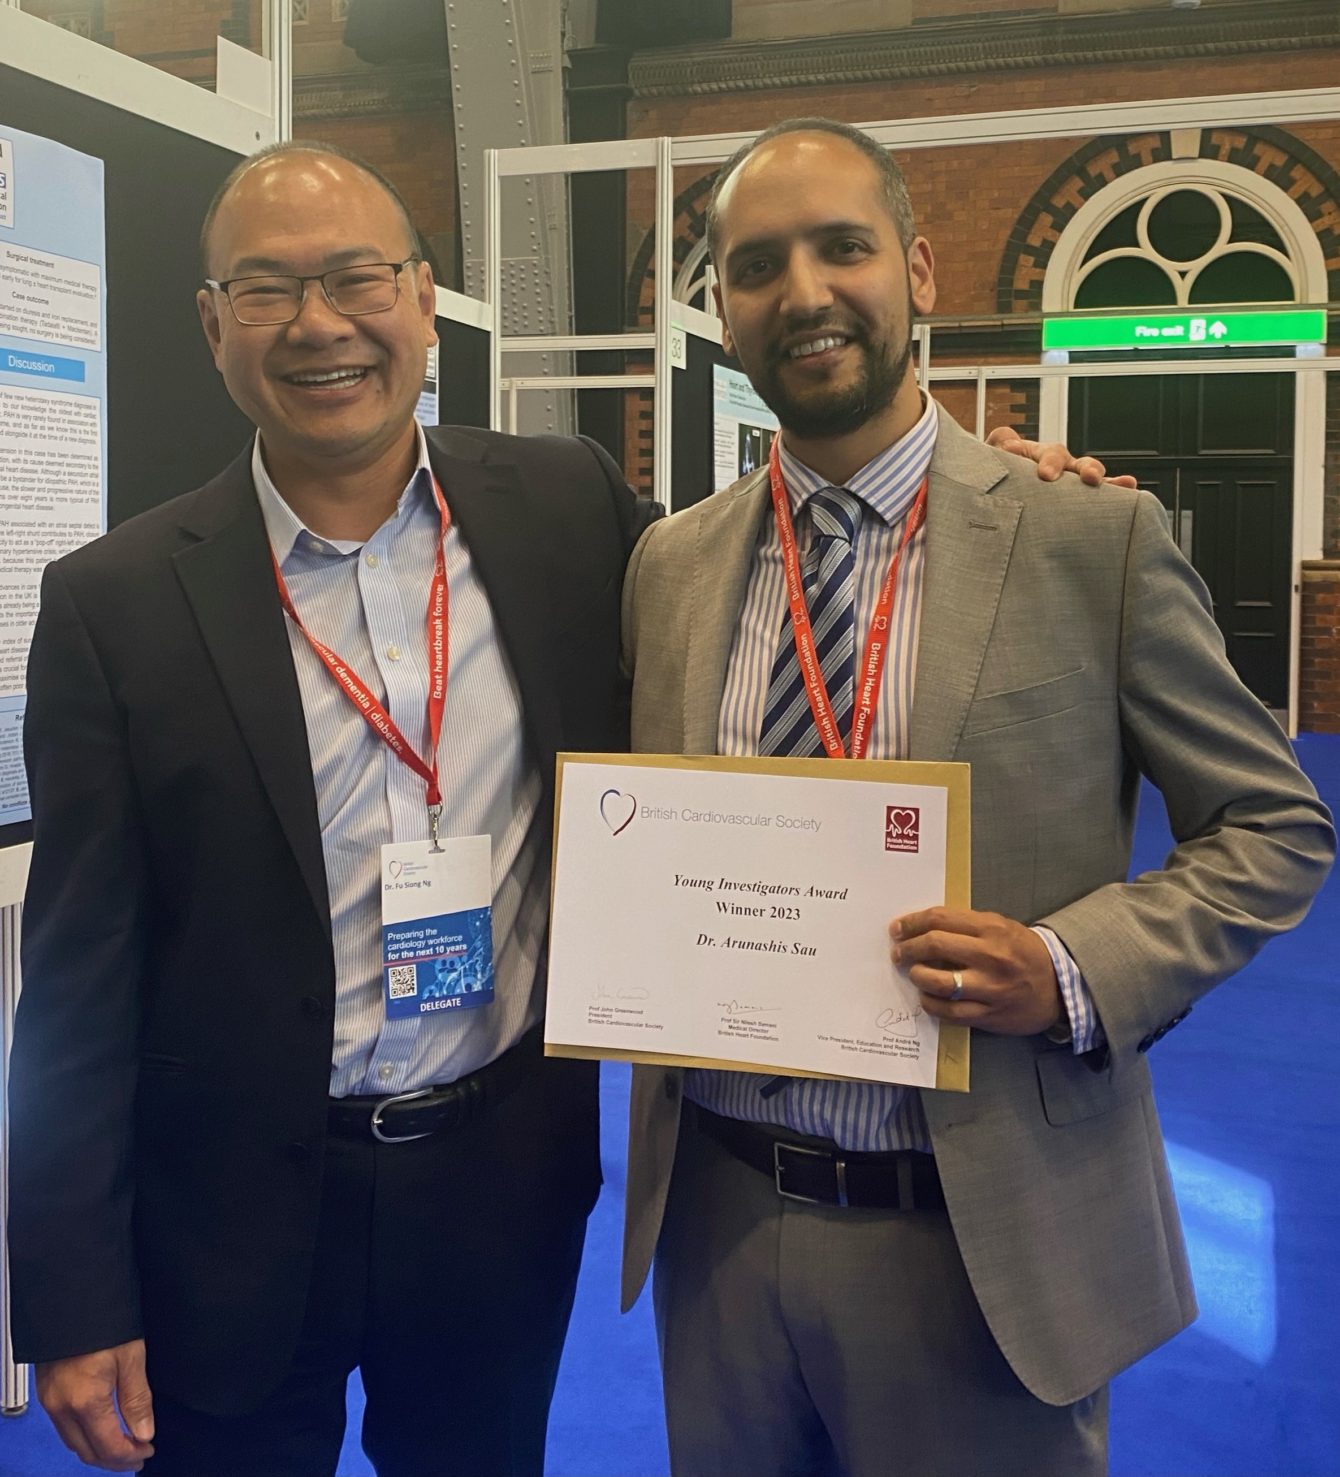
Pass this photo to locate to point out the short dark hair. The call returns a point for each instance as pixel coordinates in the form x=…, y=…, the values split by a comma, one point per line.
x=296, y=146
x=892, y=184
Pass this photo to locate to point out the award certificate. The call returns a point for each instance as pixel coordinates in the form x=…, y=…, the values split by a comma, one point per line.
x=734, y=913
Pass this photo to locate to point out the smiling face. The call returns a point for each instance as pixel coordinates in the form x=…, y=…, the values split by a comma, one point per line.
x=818, y=292
x=330, y=394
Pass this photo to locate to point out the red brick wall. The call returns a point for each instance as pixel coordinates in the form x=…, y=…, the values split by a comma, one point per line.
x=1039, y=87
x=417, y=152
x=968, y=200
x=1319, y=648
x=1330, y=538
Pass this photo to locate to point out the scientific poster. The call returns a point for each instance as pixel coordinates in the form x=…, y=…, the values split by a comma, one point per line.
x=742, y=427
x=53, y=397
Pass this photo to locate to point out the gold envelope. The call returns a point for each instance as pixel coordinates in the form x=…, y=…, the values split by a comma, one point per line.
x=951, y=1068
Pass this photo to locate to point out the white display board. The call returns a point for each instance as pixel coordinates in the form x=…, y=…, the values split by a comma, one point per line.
x=742, y=427
x=53, y=397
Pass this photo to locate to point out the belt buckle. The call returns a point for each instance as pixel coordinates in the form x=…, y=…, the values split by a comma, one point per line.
x=839, y=1166
x=375, y=1122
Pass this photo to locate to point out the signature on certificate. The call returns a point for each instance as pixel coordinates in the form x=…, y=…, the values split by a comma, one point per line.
x=735, y=1007
x=895, y=1022
x=624, y=992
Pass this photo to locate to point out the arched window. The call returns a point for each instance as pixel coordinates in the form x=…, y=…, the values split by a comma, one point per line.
x=691, y=280
x=1181, y=234
x=1184, y=245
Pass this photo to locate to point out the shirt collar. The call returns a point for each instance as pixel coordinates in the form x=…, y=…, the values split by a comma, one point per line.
x=283, y=526
x=887, y=484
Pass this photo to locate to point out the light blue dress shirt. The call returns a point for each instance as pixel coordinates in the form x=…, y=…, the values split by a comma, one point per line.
x=368, y=602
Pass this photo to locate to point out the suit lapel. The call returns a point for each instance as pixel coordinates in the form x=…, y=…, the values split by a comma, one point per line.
x=727, y=535
x=489, y=504
x=969, y=536
x=227, y=577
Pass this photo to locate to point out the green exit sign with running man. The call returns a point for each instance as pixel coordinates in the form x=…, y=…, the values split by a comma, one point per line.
x=1186, y=330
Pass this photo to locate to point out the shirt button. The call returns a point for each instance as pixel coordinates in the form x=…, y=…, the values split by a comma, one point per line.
x=372, y=561
x=393, y=653
x=384, y=1071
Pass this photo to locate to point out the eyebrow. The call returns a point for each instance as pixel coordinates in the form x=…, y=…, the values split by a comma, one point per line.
x=825, y=228
x=343, y=258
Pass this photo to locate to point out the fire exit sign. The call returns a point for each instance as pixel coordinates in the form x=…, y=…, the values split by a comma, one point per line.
x=1186, y=330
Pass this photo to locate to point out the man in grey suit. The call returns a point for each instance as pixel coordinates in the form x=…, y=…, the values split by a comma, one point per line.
x=864, y=1280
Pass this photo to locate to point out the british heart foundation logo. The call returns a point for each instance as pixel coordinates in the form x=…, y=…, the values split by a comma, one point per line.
x=902, y=828
x=617, y=810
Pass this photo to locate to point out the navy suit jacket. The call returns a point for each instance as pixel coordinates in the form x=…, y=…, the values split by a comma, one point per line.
x=172, y=1055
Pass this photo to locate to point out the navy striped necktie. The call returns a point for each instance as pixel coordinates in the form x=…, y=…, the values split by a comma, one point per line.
x=829, y=578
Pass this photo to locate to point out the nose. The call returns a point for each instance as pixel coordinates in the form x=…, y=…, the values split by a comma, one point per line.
x=805, y=290
x=317, y=321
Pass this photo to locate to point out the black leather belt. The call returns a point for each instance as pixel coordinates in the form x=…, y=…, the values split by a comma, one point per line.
x=414, y=1115
x=905, y=1180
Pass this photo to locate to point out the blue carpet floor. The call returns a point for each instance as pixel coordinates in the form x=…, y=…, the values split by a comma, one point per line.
x=1250, y=1106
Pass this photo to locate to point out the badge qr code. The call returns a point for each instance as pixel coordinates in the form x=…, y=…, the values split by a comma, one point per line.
x=402, y=982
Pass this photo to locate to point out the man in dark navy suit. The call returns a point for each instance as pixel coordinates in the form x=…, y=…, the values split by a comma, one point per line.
x=228, y=1156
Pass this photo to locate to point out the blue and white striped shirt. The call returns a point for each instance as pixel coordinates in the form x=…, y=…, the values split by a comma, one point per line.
x=368, y=601
x=856, y=1115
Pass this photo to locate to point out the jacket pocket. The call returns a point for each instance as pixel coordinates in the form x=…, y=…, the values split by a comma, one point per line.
x=1073, y=1092
x=1025, y=704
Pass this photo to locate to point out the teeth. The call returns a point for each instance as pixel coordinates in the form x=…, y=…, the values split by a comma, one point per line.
x=816, y=346
x=334, y=376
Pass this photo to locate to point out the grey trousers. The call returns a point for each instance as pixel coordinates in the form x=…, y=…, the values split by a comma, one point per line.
x=809, y=1341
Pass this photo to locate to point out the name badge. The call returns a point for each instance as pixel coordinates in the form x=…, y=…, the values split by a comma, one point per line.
x=437, y=926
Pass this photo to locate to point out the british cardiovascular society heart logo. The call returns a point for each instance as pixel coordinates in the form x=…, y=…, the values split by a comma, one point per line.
x=617, y=810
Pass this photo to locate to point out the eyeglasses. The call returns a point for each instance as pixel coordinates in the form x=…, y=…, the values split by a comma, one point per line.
x=369, y=287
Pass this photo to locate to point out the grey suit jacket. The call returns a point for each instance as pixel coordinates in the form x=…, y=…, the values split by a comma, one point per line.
x=1065, y=648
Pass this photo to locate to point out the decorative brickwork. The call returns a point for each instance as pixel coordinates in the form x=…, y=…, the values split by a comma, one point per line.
x=1319, y=648
x=1330, y=537
x=1271, y=153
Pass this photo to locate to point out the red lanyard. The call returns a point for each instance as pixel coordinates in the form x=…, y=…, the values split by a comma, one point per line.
x=877, y=643
x=357, y=691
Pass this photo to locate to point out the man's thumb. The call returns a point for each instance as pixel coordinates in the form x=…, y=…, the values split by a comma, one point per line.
x=133, y=1396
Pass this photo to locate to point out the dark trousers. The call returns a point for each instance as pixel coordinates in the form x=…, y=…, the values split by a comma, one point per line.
x=445, y=1271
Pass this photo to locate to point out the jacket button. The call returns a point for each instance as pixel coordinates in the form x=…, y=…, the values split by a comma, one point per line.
x=671, y=1088
x=312, y=1008
x=298, y=1151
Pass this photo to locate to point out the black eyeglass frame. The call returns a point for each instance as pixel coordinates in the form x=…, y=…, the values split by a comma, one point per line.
x=302, y=290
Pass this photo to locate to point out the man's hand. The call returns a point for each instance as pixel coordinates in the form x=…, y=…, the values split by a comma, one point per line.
x=1053, y=458
x=82, y=1395
x=1009, y=982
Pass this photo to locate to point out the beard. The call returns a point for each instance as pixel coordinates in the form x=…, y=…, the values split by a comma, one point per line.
x=822, y=413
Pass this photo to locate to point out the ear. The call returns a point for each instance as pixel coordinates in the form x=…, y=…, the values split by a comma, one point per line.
x=727, y=342
x=921, y=275
x=426, y=298
x=207, y=306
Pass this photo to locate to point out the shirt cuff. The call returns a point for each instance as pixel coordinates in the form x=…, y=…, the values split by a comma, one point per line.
x=1086, y=1031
